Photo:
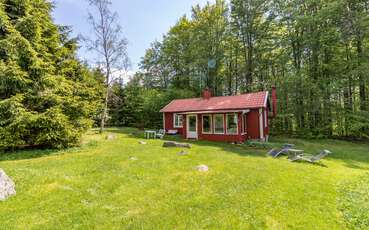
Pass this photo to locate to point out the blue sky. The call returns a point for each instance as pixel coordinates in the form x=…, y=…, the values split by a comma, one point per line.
x=143, y=21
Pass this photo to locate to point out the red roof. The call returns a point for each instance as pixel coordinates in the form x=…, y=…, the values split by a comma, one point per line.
x=244, y=101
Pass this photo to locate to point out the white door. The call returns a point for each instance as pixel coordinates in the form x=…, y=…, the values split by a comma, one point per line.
x=192, y=126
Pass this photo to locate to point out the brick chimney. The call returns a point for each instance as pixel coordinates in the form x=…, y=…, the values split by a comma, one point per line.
x=274, y=101
x=206, y=94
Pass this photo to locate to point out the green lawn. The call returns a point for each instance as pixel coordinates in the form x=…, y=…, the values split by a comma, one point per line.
x=98, y=186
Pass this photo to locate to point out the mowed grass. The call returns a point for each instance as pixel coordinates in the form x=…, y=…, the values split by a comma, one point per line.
x=98, y=186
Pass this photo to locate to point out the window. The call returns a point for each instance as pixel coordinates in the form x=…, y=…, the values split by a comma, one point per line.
x=244, y=123
x=206, y=124
x=178, y=121
x=219, y=123
x=232, y=122
x=265, y=118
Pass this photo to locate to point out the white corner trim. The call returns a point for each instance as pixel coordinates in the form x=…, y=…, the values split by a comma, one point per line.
x=266, y=99
x=164, y=121
x=261, y=126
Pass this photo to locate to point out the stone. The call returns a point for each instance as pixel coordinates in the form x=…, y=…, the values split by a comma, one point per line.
x=182, y=153
x=133, y=158
x=142, y=143
x=7, y=186
x=202, y=168
x=110, y=137
x=176, y=144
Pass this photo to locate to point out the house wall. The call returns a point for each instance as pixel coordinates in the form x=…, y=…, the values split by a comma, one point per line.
x=253, y=128
x=252, y=131
x=169, y=123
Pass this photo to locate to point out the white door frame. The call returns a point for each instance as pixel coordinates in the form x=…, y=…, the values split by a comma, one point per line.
x=192, y=135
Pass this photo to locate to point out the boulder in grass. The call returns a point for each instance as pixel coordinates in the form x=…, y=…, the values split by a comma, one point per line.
x=133, y=158
x=176, y=144
x=202, y=168
x=7, y=186
x=110, y=137
x=182, y=153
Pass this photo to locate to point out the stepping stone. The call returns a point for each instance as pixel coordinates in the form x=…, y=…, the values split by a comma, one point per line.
x=110, y=137
x=182, y=153
x=202, y=168
x=176, y=144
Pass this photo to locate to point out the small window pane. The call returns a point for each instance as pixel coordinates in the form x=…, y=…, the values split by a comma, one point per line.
x=232, y=122
x=206, y=124
x=218, y=123
x=178, y=120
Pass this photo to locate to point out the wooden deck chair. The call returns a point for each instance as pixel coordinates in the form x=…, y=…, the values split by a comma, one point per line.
x=310, y=158
x=283, y=150
x=160, y=134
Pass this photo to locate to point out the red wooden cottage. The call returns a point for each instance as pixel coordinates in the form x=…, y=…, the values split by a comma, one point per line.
x=229, y=118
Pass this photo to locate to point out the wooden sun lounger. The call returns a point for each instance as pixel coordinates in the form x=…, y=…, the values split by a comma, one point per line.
x=283, y=150
x=311, y=159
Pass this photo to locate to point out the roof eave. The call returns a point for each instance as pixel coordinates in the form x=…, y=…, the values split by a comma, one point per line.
x=209, y=110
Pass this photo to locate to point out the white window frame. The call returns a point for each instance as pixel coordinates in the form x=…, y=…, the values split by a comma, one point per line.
x=244, y=124
x=265, y=118
x=211, y=123
x=175, y=116
x=236, y=133
x=224, y=128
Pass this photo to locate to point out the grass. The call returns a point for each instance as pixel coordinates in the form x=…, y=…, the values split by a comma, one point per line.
x=98, y=186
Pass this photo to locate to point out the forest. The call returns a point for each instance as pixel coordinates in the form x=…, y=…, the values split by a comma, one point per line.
x=315, y=52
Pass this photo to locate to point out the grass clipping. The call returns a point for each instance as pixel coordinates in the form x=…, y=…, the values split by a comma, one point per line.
x=354, y=203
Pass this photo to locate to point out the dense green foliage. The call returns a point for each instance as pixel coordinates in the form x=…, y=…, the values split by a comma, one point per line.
x=315, y=52
x=133, y=106
x=46, y=95
x=100, y=184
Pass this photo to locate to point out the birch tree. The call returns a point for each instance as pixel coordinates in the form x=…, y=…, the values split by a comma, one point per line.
x=109, y=44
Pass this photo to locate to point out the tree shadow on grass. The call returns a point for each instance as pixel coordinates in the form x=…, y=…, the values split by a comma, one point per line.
x=352, y=154
x=241, y=150
x=26, y=154
x=354, y=165
x=320, y=164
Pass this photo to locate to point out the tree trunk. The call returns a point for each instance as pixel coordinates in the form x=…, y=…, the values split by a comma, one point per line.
x=105, y=111
x=362, y=83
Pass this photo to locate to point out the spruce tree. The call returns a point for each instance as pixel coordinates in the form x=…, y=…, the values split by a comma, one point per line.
x=47, y=95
